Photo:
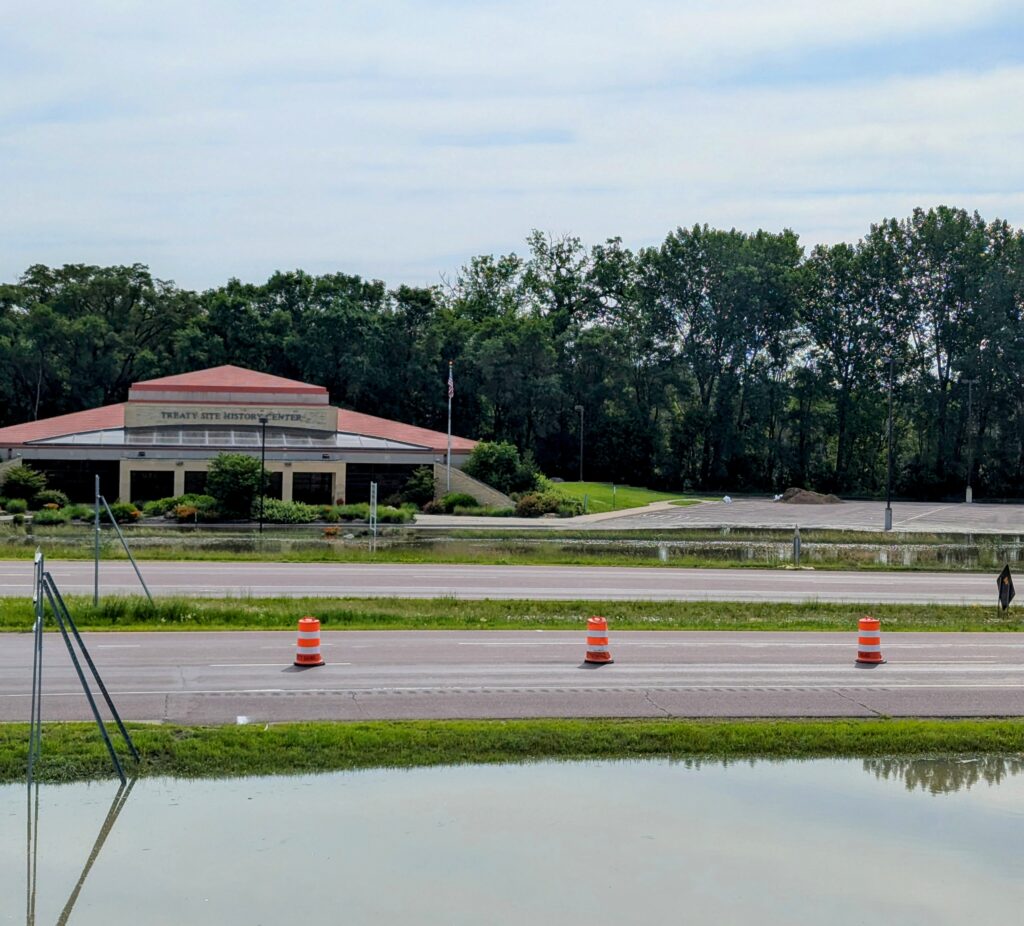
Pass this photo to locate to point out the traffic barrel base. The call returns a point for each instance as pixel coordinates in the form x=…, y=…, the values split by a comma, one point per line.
x=307, y=649
x=869, y=642
x=598, y=652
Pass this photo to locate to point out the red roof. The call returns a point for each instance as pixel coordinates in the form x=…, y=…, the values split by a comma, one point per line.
x=94, y=419
x=371, y=426
x=227, y=378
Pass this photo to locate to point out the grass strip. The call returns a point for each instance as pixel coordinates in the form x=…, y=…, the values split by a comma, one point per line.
x=75, y=752
x=136, y=613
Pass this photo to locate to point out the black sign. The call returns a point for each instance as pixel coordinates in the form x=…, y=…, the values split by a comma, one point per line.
x=1006, y=591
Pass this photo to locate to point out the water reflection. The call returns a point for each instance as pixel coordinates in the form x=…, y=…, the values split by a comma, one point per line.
x=116, y=806
x=943, y=776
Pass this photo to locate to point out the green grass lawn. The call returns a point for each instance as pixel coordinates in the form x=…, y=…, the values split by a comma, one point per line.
x=75, y=752
x=600, y=497
x=136, y=613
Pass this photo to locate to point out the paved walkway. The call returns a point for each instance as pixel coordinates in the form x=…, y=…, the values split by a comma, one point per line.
x=913, y=517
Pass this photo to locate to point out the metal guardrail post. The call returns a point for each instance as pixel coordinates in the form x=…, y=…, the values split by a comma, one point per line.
x=124, y=543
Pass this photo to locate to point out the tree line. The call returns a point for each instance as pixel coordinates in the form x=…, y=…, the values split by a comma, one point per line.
x=715, y=360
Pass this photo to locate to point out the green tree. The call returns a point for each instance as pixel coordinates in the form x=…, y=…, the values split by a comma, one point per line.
x=23, y=482
x=234, y=481
x=499, y=464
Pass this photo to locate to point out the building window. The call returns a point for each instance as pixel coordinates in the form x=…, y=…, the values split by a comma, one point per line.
x=77, y=478
x=195, y=482
x=147, y=485
x=312, y=488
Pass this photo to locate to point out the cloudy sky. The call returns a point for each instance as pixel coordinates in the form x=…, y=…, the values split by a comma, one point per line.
x=395, y=139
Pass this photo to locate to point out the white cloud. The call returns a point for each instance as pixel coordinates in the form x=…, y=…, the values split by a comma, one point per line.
x=393, y=140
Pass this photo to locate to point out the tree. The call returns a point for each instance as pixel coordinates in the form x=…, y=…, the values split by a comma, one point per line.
x=499, y=465
x=234, y=481
x=23, y=482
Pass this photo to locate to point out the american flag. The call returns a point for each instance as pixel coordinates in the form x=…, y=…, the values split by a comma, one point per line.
x=451, y=382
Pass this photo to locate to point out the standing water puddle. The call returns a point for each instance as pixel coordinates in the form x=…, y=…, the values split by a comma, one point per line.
x=829, y=841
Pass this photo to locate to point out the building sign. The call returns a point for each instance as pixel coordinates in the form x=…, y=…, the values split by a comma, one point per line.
x=159, y=414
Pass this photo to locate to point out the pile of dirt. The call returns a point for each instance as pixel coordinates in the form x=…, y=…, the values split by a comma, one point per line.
x=807, y=497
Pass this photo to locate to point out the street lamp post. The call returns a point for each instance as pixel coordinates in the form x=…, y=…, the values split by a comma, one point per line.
x=263, y=471
x=579, y=408
x=888, y=480
x=969, y=494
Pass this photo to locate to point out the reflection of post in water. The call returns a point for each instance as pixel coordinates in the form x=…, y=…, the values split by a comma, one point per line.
x=116, y=806
x=32, y=855
x=942, y=776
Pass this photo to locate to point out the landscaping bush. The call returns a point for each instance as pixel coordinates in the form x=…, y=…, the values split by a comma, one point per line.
x=123, y=512
x=52, y=497
x=160, y=506
x=234, y=481
x=434, y=507
x=360, y=512
x=78, y=512
x=276, y=511
x=420, y=487
x=23, y=482
x=485, y=512
x=3, y=503
x=455, y=500
x=50, y=516
x=498, y=464
x=536, y=504
x=389, y=515
x=16, y=506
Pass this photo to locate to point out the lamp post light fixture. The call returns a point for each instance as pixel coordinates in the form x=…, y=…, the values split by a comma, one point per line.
x=969, y=494
x=579, y=408
x=888, y=480
x=263, y=471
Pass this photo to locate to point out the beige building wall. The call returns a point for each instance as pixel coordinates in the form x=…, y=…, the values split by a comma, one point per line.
x=287, y=470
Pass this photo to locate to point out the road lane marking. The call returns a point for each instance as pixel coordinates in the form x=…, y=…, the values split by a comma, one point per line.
x=261, y=665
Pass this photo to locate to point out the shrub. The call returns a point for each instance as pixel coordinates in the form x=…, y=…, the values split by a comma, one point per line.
x=50, y=516
x=78, y=512
x=159, y=507
x=52, y=497
x=484, y=512
x=234, y=481
x=498, y=464
x=276, y=511
x=50, y=506
x=455, y=500
x=359, y=512
x=18, y=520
x=23, y=482
x=433, y=507
x=536, y=504
x=3, y=503
x=16, y=506
x=420, y=487
x=124, y=512
x=389, y=515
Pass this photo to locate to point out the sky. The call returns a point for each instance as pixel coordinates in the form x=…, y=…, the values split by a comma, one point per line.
x=395, y=140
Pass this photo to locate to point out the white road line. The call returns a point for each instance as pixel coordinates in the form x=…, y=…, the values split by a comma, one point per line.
x=263, y=665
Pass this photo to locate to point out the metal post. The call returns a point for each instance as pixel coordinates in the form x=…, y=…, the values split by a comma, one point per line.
x=888, y=481
x=263, y=471
x=613, y=495
x=969, y=494
x=85, y=686
x=66, y=616
x=579, y=408
x=451, y=392
x=124, y=543
x=796, y=545
x=96, y=551
x=373, y=513
x=36, y=708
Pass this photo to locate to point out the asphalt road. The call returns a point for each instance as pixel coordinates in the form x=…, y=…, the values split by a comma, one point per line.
x=543, y=582
x=200, y=678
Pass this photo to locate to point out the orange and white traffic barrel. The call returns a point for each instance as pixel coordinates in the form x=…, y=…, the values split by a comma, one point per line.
x=869, y=641
x=597, y=641
x=308, y=646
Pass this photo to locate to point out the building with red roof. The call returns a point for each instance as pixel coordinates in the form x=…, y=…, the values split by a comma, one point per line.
x=160, y=442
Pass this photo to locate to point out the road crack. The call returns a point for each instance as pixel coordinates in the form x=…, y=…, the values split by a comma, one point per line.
x=654, y=704
x=858, y=703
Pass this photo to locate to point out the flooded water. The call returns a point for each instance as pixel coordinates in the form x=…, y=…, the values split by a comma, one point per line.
x=836, y=842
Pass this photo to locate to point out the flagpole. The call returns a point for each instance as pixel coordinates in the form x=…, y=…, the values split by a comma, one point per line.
x=450, y=391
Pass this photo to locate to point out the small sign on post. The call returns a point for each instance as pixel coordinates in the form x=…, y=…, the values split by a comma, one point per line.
x=1006, y=592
